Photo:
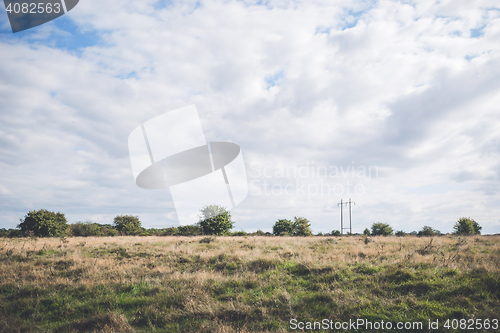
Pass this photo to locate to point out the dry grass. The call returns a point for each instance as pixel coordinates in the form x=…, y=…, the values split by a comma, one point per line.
x=231, y=284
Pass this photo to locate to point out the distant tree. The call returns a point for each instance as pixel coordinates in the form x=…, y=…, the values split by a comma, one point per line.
x=381, y=229
x=366, y=232
x=88, y=228
x=189, y=230
x=301, y=227
x=215, y=220
x=128, y=224
x=283, y=227
x=400, y=233
x=413, y=233
x=467, y=226
x=85, y=229
x=428, y=231
x=335, y=233
x=171, y=231
x=44, y=223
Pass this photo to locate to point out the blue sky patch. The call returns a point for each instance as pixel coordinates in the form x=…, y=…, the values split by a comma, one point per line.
x=476, y=33
x=62, y=33
x=274, y=79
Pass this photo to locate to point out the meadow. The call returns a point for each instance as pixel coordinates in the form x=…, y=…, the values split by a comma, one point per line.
x=244, y=284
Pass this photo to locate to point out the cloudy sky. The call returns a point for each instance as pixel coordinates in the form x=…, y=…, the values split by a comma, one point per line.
x=394, y=104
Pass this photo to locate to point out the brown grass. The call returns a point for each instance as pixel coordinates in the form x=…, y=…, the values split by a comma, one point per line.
x=185, y=266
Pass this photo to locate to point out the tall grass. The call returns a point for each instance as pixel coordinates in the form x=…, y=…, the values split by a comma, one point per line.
x=242, y=284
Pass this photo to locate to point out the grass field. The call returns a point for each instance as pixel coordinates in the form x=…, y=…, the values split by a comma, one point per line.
x=243, y=284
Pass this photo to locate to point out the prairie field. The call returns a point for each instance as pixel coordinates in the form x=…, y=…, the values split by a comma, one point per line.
x=243, y=284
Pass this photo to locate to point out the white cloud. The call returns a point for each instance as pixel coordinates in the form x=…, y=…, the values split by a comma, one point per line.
x=410, y=87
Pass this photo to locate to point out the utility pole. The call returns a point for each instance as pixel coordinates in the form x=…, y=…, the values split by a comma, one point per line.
x=350, y=220
x=342, y=216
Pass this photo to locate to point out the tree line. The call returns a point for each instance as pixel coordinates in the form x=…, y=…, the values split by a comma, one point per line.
x=214, y=220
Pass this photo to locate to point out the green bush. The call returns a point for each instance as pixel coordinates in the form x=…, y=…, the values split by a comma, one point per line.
x=335, y=233
x=171, y=231
x=84, y=229
x=88, y=228
x=428, y=231
x=10, y=233
x=366, y=232
x=301, y=227
x=189, y=230
x=128, y=225
x=467, y=226
x=381, y=229
x=44, y=223
x=400, y=233
x=283, y=227
x=215, y=220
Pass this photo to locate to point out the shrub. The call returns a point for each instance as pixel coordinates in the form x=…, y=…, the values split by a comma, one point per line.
x=400, y=233
x=381, y=229
x=84, y=229
x=215, y=220
x=239, y=233
x=283, y=227
x=467, y=226
x=428, y=231
x=44, y=223
x=335, y=233
x=366, y=232
x=88, y=228
x=301, y=227
x=108, y=230
x=189, y=230
x=11, y=233
x=128, y=224
x=171, y=231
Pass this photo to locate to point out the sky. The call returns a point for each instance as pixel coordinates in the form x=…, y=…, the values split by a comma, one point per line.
x=392, y=104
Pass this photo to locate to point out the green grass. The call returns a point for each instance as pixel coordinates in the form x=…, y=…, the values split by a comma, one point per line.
x=176, y=284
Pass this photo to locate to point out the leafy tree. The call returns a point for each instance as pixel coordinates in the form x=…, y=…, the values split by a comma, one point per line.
x=400, y=233
x=428, y=231
x=382, y=229
x=88, y=228
x=366, y=232
x=44, y=223
x=335, y=233
x=128, y=224
x=467, y=226
x=283, y=227
x=215, y=220
x=301, y=227
x=189, y=230
x=11, y=233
